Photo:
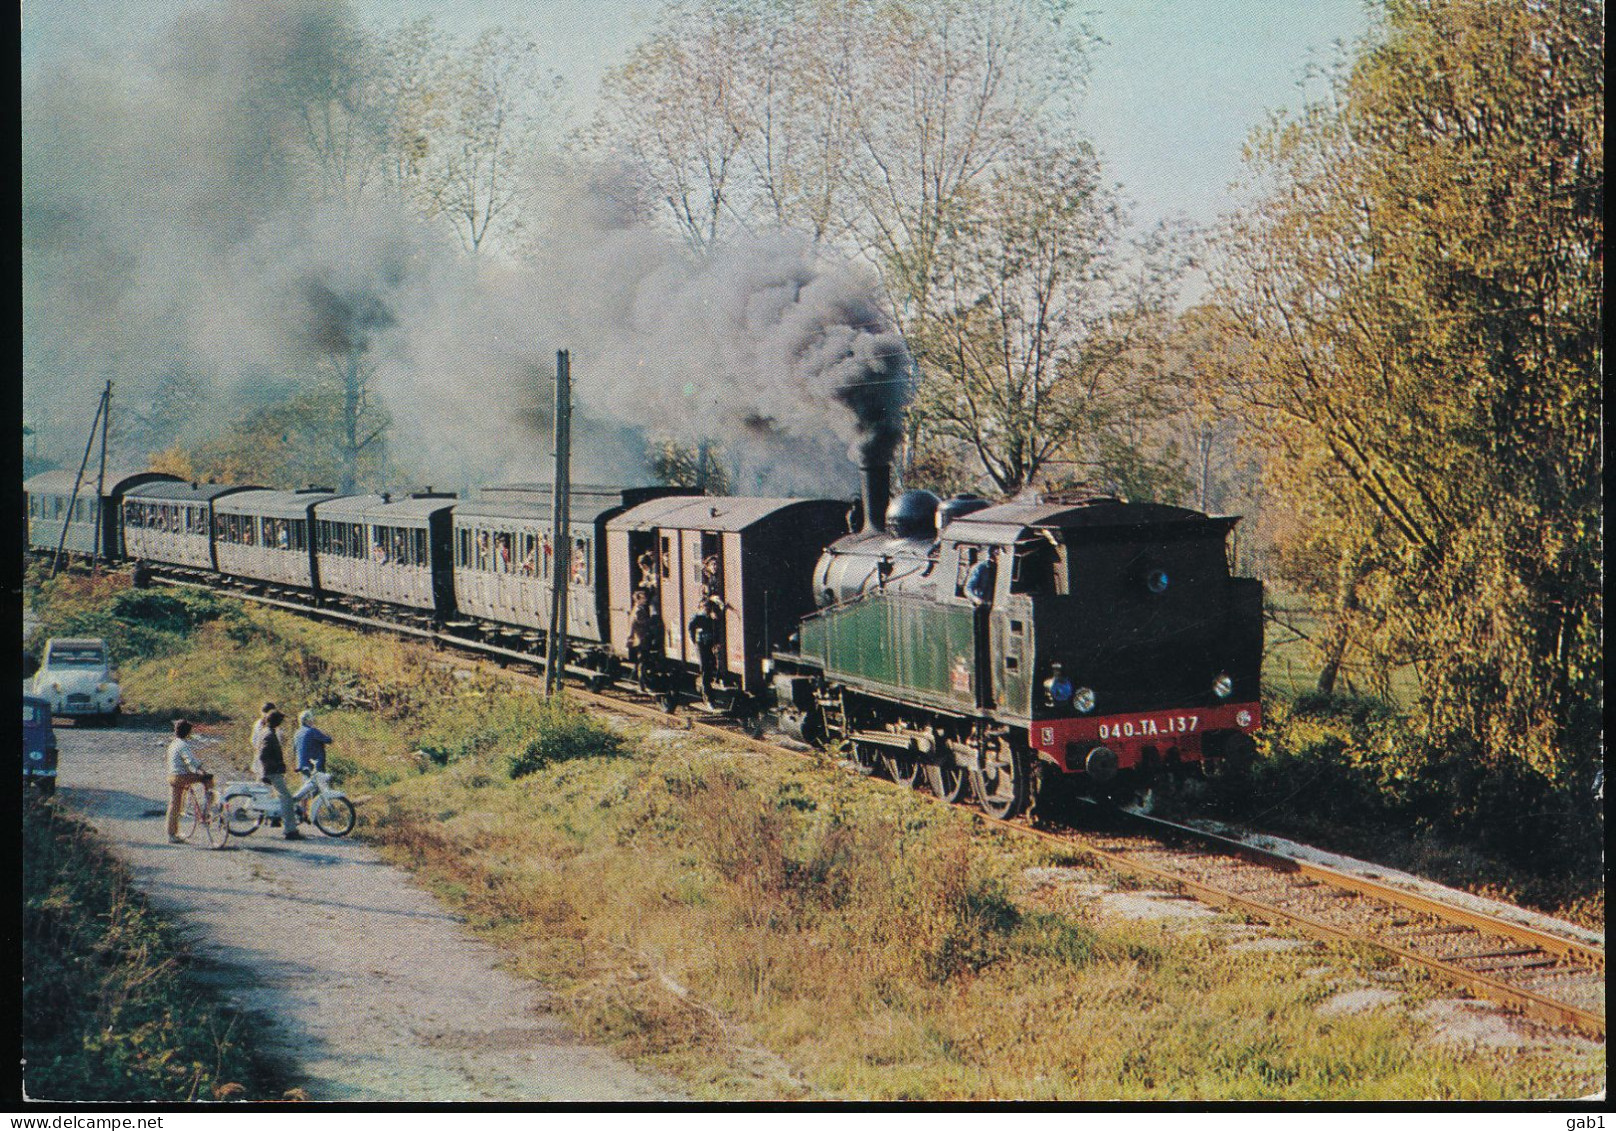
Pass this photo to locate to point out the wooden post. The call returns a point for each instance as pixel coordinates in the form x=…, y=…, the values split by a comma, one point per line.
x=560, y=528
x=101, y=478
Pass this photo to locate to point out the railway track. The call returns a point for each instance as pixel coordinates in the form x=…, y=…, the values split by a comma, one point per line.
x=1554, y=978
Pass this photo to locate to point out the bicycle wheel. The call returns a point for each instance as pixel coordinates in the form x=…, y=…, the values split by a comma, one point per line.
x=190, y=806
x=241, y=818
x=214, y=826
x=334, y=816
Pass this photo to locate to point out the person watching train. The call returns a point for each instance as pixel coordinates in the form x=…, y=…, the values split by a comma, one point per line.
x=184, y=770
x=269, y=761
x=309, y=743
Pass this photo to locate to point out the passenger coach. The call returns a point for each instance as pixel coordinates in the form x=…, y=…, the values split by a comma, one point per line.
x=378, y=550
x=168, y=521
x=92, y=520
x=263, y=535
x=504, y=560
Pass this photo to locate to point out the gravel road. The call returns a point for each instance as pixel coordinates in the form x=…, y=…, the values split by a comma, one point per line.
x=362, y=982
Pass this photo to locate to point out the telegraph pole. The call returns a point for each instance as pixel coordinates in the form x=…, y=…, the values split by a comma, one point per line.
x=560, y=529
x=101, y=411
x=101, y=475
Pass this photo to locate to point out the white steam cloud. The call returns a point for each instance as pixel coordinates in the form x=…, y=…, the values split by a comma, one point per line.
x=167, y=230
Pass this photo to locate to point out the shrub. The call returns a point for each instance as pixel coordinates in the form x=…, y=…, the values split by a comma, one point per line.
x=141, y=624
x=562, y=734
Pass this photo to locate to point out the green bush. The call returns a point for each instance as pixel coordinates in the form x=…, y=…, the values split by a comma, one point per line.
x=1357, y=763
x=141, y=624
x=561, y=734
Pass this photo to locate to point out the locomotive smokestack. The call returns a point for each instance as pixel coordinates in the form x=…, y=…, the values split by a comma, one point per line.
x=877, y=494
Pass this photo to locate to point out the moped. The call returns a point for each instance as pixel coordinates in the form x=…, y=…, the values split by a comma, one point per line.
x=248, y=804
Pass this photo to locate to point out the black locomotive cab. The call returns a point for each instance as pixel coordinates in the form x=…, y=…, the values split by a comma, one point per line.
x=1119, y=633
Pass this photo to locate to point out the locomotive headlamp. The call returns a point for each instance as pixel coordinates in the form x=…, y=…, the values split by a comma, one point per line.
x=1083, y=700
x=1157, y=581
x=1058, y=688
x=1223, y=686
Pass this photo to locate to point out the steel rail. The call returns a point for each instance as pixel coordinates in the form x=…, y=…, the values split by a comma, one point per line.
x=1575, y=949
x=1527, y=1001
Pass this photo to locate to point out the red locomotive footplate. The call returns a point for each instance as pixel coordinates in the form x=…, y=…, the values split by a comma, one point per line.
x=1069, y=740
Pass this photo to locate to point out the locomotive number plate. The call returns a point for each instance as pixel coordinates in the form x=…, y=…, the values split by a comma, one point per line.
x=1152, y=726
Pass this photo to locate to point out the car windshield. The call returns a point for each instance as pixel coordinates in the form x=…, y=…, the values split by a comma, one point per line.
x=32, y=716
x=77, y=658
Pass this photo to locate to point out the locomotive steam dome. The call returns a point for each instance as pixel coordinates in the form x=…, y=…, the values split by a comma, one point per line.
x=913, y=514
x=958, y=507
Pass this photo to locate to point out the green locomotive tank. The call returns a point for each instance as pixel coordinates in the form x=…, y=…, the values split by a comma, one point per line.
x=1015, y=645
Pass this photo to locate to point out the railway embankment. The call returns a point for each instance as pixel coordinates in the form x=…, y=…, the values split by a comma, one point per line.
x=763, y=928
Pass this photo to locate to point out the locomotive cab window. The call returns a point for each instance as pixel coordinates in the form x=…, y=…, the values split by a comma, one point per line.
x=975, y=577
x=1032, y=569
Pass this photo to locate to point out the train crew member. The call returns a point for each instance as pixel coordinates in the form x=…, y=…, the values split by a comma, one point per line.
x=269, y=761
x=184, y=769
x=309, y=745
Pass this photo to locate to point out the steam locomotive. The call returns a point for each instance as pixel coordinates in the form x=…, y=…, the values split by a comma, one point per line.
x=1011, y=650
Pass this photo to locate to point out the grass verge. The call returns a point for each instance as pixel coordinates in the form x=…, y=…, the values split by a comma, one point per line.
x=110, y=1011
x=765, y=928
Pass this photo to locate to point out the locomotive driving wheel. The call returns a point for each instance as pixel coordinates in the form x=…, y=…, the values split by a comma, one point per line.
x=901, y=768
x=1001, y=785
x=945, y=778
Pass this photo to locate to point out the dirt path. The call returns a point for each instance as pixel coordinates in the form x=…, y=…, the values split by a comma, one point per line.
x=365, y=985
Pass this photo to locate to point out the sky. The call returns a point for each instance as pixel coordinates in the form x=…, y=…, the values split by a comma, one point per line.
x=161, y=253
x=1176, y=85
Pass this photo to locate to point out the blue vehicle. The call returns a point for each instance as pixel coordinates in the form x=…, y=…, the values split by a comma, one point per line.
x=38, y=745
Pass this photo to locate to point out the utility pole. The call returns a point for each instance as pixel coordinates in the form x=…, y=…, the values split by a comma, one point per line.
x=560, y=529
x=101, y=411
x=101, y=475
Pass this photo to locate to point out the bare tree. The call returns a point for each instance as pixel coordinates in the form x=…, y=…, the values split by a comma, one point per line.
x=1038, y=346
x=681, y=108
x=488, y=116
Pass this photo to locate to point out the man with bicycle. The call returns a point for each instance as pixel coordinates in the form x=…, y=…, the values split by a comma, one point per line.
x=184, y=771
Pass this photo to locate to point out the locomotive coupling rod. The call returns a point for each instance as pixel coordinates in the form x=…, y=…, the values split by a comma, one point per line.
x=909, y=743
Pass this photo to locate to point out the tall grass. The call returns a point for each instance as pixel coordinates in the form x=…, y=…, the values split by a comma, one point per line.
x=765, y=928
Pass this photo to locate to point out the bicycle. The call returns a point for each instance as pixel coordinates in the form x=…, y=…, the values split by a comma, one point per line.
x=197, y=813
x=247, y=805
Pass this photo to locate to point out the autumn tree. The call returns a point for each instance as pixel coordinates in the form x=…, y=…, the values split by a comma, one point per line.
x=700, y=466
x=1415, y=295
x=287, y=445
x=1038, y=342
